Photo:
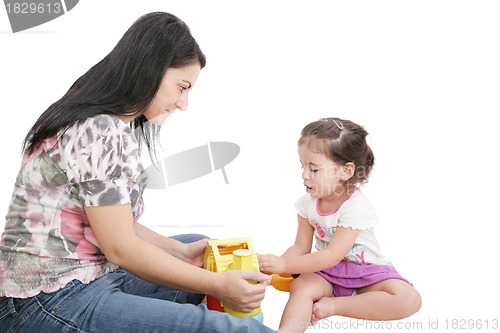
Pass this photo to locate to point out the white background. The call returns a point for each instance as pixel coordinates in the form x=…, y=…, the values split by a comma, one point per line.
x=423, y=77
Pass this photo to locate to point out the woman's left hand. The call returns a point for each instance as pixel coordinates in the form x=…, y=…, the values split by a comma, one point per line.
x=193, y=253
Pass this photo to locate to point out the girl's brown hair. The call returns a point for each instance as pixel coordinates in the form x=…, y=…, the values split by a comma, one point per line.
x=343, y=141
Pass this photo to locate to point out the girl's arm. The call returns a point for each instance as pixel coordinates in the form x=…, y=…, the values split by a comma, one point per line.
x=303, y=239
x=340, y=244
x=115, y=232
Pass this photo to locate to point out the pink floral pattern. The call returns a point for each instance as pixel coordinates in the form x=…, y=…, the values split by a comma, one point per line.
x=76, y=228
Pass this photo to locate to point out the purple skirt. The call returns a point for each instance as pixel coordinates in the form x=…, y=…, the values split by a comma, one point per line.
x=346, y=277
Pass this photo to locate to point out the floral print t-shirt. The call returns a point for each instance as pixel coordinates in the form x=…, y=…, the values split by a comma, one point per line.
x=48, y=240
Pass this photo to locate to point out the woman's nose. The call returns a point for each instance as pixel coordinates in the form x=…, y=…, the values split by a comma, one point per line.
x=182, y=102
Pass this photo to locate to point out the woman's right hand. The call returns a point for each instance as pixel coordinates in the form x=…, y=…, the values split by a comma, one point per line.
x=237, y=293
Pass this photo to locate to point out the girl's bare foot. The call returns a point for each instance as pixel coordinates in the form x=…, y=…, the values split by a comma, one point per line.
x=323, y=308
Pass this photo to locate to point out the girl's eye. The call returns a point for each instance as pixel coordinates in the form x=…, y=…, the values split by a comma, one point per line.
x=314, y=170
x=182, y=88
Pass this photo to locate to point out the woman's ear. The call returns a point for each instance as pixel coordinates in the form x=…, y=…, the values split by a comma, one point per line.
x=348, y=170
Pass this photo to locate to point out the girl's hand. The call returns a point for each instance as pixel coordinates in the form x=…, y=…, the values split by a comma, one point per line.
x=235, y=291
x=192, y=253
x=271, y=264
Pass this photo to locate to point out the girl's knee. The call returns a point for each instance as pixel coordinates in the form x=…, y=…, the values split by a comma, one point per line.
x=410, y=301
x=296, y=286
x=408, y=298
x=304, y=281
x=311, y=285
x=414, y=301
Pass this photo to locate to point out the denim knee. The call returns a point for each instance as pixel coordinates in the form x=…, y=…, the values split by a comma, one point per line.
x=188, y=238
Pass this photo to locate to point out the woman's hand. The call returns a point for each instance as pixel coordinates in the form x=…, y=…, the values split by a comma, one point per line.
x=193, y=253
x=271, y=264
x=237, y=293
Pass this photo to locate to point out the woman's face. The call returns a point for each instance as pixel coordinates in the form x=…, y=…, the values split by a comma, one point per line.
x=173, y=93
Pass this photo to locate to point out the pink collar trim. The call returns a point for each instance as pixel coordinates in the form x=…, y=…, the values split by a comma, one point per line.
x=336, y=210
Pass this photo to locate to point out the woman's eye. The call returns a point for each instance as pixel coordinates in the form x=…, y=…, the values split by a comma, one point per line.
x=182, y=88
x=314, y=170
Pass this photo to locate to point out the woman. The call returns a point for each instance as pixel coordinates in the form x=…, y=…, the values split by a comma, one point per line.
x=73, y=256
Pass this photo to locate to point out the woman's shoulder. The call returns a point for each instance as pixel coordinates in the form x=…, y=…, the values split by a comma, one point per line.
x=85, y=132
x=103, y=123
x=98, y=147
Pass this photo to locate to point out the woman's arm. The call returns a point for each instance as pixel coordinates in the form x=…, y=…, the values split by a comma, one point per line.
x=192, y=253
x=118, y=240
x=296, y=261
x=164, y=243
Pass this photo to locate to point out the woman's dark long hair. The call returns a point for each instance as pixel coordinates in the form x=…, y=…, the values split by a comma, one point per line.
x=125, y=82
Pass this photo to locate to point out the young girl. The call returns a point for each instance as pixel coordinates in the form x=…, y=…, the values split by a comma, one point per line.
x=348, y=263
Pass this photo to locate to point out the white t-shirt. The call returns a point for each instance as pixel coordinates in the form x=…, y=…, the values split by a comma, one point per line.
x=357, y=213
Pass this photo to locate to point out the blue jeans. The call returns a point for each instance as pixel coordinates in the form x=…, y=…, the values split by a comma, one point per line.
x=119, y=302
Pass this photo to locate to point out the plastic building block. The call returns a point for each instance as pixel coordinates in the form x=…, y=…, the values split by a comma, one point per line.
x=219, y=253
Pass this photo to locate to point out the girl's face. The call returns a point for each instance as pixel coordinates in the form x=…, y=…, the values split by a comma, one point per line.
x=322, y=177
x=173, y=93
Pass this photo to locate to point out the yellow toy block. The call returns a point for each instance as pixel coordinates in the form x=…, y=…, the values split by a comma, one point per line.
x=219, y=253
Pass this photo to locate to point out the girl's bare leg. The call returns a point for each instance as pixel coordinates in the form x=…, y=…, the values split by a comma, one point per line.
x=304, y=291
x=386, y=300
